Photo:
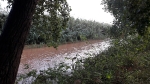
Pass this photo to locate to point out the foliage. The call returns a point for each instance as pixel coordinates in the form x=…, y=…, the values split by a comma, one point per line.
x=79, y=29
x=139, y=14
x=55, y=19
x=50, y=15
x=129, y=15
x=76, y=30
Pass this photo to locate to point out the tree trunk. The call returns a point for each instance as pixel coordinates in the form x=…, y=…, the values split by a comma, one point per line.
x=13, y=38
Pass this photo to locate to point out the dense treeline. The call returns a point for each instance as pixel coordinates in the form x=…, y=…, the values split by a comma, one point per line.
x=77, y=30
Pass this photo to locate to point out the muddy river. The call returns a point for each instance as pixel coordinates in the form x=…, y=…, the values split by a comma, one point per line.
x=42, y=58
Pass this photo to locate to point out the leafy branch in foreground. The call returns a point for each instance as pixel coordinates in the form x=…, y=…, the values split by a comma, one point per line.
x=130, y=16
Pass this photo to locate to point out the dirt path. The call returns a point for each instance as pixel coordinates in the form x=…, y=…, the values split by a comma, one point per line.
x=29, y=55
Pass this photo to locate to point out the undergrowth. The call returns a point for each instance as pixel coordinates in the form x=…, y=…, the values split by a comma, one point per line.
x=127, y=61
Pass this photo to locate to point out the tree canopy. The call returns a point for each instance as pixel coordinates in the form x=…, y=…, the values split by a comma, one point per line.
x=130, y=13
x=50, y=15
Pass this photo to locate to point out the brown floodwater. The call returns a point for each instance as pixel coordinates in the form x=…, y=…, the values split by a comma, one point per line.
x=37, y=57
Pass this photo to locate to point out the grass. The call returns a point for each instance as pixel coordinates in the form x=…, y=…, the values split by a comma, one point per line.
x=126, y=62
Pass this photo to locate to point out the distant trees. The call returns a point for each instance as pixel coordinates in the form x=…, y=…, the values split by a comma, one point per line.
x=80, y=29
x=17, y=26
x=77, y=29
x=130, y=15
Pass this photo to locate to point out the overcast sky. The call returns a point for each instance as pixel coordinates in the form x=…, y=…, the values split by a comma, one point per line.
x=87, y=9
x=2, y=3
